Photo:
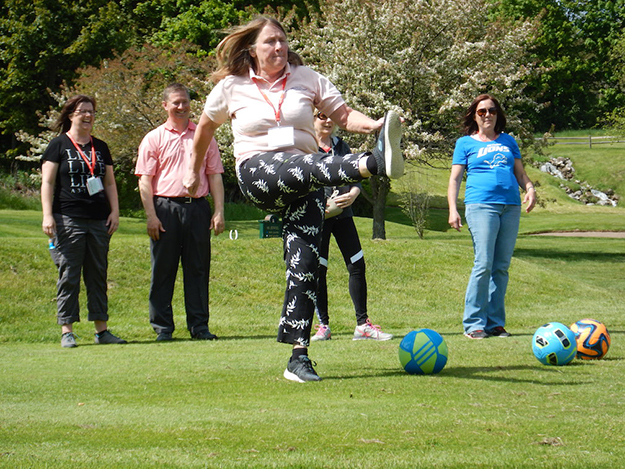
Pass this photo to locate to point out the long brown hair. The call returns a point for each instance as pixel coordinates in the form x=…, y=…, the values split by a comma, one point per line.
x=63, y=123
x=469, y=124
x=233, y=52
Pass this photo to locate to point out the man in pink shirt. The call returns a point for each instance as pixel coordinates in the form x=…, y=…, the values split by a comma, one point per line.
x=179, y=225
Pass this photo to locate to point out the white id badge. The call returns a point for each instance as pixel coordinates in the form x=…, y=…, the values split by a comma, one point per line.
x=280, y=137
x=94, y=185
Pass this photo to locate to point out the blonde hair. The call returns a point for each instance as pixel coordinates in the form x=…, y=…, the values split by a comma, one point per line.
x=233, y=52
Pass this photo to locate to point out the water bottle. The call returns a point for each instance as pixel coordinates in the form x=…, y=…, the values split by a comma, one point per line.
x=51, y=244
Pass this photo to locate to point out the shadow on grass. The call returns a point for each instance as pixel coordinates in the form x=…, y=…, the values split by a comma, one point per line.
x=488, y=373
x=220, y=338
x=483, y=373
x=570, y=256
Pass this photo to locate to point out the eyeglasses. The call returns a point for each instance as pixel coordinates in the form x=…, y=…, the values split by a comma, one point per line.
x=321, y=116
x=80, y=112
x=482, y=112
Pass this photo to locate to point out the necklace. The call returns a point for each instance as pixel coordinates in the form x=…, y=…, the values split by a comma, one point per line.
x=483, y=138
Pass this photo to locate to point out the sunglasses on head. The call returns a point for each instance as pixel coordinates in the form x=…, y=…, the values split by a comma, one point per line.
x=482, y=112
x=321, y=116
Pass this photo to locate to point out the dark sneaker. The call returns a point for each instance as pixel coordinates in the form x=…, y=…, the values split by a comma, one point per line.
x=301, y=370
x=68, y=340
x=479, y=334
x=387, y=151
x=164, y=337
x=204, y=335
x=499, y=332
x=105, y=337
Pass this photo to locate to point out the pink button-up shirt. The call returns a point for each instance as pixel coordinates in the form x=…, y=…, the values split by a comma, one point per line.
x=166, y=154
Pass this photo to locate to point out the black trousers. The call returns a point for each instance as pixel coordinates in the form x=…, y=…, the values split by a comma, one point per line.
x=187, y=240
x=291, y=185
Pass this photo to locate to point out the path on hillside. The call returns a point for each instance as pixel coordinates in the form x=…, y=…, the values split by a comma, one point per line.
x=585, y=234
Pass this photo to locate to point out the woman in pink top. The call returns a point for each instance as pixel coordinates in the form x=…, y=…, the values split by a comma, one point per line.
x=270, y=98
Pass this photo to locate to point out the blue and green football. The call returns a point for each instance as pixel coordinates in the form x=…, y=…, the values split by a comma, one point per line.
x=423, y=352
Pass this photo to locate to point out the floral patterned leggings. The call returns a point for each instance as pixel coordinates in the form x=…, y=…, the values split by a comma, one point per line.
x=291, y=185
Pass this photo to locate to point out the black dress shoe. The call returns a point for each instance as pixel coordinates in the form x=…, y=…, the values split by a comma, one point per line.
x=204, y=335
x=164, y=337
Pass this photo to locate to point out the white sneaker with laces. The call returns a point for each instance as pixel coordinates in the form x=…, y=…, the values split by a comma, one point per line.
x=323, y=333
x=68, y=340
x=370, y=331
x=387, y=151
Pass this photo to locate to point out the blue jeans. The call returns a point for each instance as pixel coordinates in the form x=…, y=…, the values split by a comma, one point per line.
x=494, y=229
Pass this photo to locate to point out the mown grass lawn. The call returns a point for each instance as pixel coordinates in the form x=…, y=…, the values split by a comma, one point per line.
x=225, y=404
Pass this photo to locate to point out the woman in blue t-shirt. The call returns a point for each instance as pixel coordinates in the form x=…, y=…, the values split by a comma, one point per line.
x=494, y=169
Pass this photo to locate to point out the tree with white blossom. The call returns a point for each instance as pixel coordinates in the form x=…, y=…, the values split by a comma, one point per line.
x=427, y=60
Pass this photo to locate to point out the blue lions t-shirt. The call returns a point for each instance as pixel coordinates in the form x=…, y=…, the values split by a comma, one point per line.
x=490, y=170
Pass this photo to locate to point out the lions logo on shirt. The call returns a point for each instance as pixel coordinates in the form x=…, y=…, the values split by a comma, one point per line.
x=498, y=160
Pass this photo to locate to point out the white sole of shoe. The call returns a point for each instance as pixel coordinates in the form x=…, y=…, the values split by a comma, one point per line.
x=317, y=339
x=292, y=377
x=474, y=338
x=393, y=157
x=372, y=338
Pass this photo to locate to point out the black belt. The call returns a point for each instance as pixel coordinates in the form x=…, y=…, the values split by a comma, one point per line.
x=182, y=200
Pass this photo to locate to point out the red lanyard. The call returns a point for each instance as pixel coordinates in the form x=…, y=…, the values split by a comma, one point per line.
x=91, y=165
x=276, y=111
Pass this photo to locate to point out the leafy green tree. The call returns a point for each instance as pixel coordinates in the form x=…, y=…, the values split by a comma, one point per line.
x=616, y=118
x=129, y=93
x=42, y=44
x=425, y=59
x=573, y=48
x=200, y=23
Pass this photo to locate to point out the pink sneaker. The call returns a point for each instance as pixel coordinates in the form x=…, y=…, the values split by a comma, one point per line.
x=323, y=333
x=370, y=331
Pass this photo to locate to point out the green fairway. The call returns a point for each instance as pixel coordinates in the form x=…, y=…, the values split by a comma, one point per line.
x=225, y=404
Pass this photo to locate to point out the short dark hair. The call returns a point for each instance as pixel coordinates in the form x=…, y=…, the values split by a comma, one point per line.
x=469, y=124
x=175, y=88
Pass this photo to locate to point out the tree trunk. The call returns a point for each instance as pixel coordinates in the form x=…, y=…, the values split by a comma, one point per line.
x=380, y=187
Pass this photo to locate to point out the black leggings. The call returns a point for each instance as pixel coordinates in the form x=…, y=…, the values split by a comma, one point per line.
x=346, y=235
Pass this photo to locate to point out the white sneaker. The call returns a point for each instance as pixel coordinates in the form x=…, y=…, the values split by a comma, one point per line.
x=387, y=151
x=68, y=340
x=370, y=331
x=323, y=333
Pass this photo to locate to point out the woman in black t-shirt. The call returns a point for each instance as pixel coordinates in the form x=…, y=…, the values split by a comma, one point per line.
x=80, y=213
